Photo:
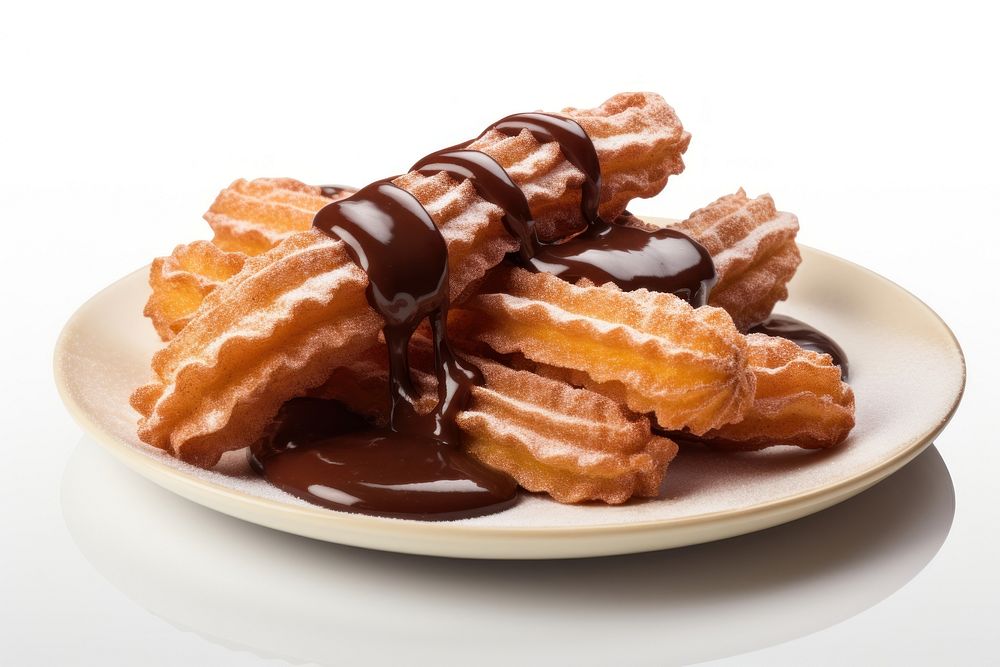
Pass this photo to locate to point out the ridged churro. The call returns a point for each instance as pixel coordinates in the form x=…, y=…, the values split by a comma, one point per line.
x=254, y=216
x=800, y=400
x=181, y=281
x=251, y=217
x=652, y=351
x=571, y=443
x=753, y=247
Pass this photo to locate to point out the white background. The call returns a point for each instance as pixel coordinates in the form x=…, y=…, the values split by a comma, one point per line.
x=877, y=125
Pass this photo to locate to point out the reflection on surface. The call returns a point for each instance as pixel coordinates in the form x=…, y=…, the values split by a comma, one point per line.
x=249, y=587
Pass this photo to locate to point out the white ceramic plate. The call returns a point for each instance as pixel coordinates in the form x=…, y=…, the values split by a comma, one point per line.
x=907, y=372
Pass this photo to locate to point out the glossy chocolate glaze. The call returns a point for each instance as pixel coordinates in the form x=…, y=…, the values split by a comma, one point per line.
x=492, y=183
x=390, y=235
x=576, y=147
x=805, y=336
x=301, y=421
x=332, y=457
x=386, y=473
x=414, y=468
x=665, y=260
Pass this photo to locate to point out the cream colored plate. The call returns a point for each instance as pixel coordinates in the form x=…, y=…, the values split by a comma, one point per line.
x=907, y=371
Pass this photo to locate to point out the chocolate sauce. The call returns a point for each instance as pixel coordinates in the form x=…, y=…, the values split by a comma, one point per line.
x=386, y=473
x=303, y=420
x=804, y=336
x=576, y=147
x=492, y=183
x=665, y=260
x=326, y=457
x=337, y=191
x=415, y=468
x=390, y=235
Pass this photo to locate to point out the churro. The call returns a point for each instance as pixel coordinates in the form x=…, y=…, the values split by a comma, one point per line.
x=254, y=216
x=181, y=281
x=652, y=351
x=753, y=247
x=800, y=400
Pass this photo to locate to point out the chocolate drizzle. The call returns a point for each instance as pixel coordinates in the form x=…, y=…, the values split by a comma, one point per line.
x=390, y=235
x=493, y=184
x=415, y=468
x=576, y=147
x=804, y=336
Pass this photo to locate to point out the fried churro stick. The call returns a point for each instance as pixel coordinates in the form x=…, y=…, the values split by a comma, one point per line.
x=800, y=400
x=753, y=247
x=297, y=312
x=254, y=216
x=247, y=217
x=570, y=443
x=651, y=351
x=181, y=280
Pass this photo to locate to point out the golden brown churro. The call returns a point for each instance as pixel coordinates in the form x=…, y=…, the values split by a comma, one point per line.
x=652, y=351
x=800, y=400
x=181, y=281
x=753, y=247
x=254, y=216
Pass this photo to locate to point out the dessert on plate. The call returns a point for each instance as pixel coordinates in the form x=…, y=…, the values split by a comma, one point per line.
x=493, y=319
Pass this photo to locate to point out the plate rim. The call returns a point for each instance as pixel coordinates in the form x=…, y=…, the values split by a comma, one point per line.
x=167, y=476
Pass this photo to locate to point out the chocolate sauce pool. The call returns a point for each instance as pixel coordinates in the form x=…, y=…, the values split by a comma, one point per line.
x=323, y=457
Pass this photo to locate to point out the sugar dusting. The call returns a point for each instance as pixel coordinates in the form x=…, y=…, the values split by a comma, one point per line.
x=904, y=371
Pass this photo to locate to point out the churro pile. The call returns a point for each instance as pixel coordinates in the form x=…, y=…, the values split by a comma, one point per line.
x=586, y=389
